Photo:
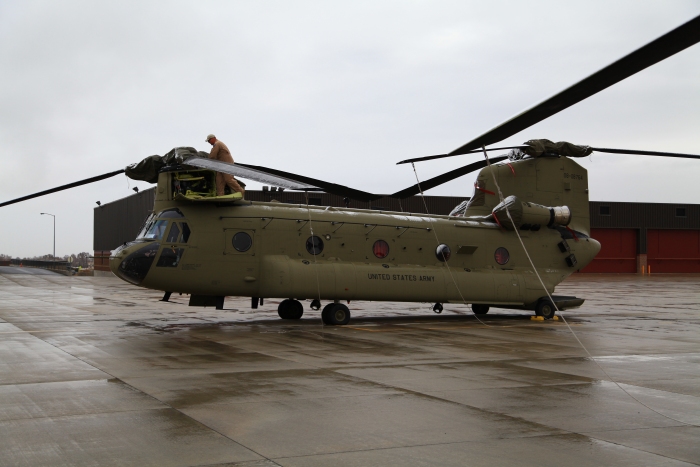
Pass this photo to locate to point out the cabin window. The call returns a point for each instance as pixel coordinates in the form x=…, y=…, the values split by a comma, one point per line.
x=314, y=245
x=502, y=256
x=242, y=242
x=380, y=249
x=443, y=253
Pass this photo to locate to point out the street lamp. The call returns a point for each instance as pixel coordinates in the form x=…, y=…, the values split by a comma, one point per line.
x=54, y=232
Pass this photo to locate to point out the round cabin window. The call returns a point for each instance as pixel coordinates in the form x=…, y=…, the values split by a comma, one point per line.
x=314, y=245
x=242, y=242
x=380, y=249
x=443, y=252
x=502, y=256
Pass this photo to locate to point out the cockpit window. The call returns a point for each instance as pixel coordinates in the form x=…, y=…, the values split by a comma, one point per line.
x=174, y=234
x=170, y=257
x=146, y=225
x=174, y=213
x=156, y=230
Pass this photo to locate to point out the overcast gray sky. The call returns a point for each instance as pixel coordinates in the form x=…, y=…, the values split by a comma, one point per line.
x=334, y=90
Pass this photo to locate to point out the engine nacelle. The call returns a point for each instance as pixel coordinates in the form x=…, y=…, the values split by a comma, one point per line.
x=529, y=216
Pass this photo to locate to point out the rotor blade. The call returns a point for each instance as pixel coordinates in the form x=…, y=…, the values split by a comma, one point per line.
x=440, y=156
x=646, y=153
x=250, y=173
x=669, y=44
x=63, y=187
x=444, y=178
x=328, y=187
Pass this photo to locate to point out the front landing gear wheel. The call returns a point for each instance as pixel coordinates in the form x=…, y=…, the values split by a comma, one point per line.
x=335, y=314
x=290, y=309
x=325, y=314
x=480, y=309
x=545, y=308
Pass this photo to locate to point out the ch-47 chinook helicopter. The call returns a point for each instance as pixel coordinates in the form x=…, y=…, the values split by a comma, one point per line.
x=215, y=246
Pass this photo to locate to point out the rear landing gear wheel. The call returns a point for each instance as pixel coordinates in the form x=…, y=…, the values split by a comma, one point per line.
x=335, y=314
x=290, y=309
x=480, y=309
x=545, y=308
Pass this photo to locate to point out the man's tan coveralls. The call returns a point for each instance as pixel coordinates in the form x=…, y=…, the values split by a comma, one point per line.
x=221, y=153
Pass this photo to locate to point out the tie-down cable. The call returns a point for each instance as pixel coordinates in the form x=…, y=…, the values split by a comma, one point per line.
x=430, y=219
x=534, y=269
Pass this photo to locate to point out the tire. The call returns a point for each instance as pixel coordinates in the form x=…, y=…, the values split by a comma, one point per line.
x=325, y=314
x=290, y=309
x=339, y=315
x=282, y=309
x=480, y=309
x=545, y=308
x=296, y=310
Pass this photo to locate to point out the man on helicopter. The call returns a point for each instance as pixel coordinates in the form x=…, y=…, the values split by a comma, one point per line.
x=220, y=152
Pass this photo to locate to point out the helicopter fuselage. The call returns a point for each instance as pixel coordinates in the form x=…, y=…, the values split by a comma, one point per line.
x=276, y=250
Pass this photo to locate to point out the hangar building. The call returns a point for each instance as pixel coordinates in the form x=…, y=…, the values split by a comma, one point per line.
x=635, y=237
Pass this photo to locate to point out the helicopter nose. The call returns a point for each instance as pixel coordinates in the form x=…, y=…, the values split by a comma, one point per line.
x=132, y=264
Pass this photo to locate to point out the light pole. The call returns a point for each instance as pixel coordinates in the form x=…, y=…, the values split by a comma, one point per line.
x=54, y=232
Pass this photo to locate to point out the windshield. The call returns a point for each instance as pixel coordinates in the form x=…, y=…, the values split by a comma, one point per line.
x=146, y=225
x=156, y=230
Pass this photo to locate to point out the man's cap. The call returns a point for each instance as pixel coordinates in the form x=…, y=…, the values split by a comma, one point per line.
x=209, y=137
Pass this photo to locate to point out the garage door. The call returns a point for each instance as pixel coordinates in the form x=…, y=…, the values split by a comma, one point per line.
x=618, y=251
x=673, y=250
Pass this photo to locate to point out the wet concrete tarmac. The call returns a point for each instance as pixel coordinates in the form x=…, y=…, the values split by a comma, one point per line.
x=94, y=371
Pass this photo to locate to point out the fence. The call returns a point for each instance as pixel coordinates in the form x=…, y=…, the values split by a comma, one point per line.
x=58, y=266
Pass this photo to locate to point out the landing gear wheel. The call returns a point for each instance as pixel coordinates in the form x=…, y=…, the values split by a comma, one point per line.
x=335, y=314
x=480, y=309
x=290, y=309
x=437, y=308
x=340, y=314
x=545, y=308
x=326, y=313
